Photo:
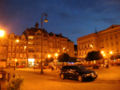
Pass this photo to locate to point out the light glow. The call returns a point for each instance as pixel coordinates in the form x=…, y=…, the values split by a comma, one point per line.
x=102, y=52
x=91, y=45
x=46, y=20
x=17, y=40
x=16, y=60
x=2, y=33
x=25, y=47
x=64, y=48
x=49, y=56
x=56, y=54
x=31, y=61
x=111, y=52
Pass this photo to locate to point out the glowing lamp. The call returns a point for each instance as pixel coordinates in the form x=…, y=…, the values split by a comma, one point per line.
x=2, y=33
x=17, y=40
x=56, y=54
x=111, y=52
x=49, y=56
x=46, y=20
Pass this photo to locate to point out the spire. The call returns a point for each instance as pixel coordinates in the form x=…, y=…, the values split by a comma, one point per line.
x=96, y=30
x=37, y=25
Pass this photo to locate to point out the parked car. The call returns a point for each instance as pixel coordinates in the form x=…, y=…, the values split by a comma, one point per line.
x=79, y=73
x=20, y=66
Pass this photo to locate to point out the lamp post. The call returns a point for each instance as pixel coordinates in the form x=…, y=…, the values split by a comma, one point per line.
x=110, y=54
x=56, y=56
x=16, y=41
x=2, y=33
x=15, y=63
x=42, y=21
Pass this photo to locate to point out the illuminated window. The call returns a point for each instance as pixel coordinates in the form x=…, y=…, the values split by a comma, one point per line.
x=30, y=42
x=30, y=37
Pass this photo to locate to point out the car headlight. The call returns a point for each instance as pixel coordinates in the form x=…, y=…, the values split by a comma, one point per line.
x=87, y=74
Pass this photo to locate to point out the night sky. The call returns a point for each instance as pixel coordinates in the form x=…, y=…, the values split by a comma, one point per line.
x=72, y=18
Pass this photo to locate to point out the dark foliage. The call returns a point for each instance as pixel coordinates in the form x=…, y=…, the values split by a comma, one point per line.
x=115, y=57
x=64, y=57
x=94, y=55
x=48, y=60
x=72, y=59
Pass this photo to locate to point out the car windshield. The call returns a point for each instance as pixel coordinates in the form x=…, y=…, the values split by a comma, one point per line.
x=69, y=67
x=74, y=67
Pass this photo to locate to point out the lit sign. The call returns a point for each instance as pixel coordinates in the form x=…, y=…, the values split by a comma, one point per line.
x=31, y=61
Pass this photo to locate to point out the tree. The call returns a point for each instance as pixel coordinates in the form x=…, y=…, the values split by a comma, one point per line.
x=64, y=57
x=72, y=59
x=48, y=60
x=115, y=57
x=93, y=55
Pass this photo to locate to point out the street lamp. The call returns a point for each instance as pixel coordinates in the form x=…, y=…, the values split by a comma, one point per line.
x=17, y=40
x=103, y=53
x=2, y=33
x=56, y=55
x=42, y=21
x=110, y=52
x=15, y=63
x=49, y=56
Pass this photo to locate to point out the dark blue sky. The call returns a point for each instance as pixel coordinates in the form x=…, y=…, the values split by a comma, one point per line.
x=72, y=18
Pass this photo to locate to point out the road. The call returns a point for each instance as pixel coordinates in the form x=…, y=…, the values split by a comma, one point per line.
x=108, y=79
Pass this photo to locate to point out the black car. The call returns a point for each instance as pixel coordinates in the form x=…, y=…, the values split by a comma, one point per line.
x=79, y=73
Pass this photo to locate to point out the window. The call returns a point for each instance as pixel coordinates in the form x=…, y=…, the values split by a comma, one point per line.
x=30, y=42
x=30, y=37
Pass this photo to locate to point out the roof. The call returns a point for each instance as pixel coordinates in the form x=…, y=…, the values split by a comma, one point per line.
x=33, y=30
x=93, y=34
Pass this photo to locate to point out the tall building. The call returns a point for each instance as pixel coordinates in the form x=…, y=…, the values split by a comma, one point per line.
x=37, y=44
x=106, y=41
x=3, y=49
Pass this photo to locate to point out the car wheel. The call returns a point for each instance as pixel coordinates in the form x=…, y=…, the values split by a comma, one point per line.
x=79, y=78
x=62, y=76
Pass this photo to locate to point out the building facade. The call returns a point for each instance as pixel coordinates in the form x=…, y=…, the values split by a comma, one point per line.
x=37, y=44
x=106, y=41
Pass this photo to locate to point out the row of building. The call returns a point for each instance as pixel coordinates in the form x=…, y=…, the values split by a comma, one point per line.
x=37, y=44
x=106, y=41
x=34, y=45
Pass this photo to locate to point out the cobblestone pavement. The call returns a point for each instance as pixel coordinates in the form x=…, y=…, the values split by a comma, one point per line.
x=108, y=79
